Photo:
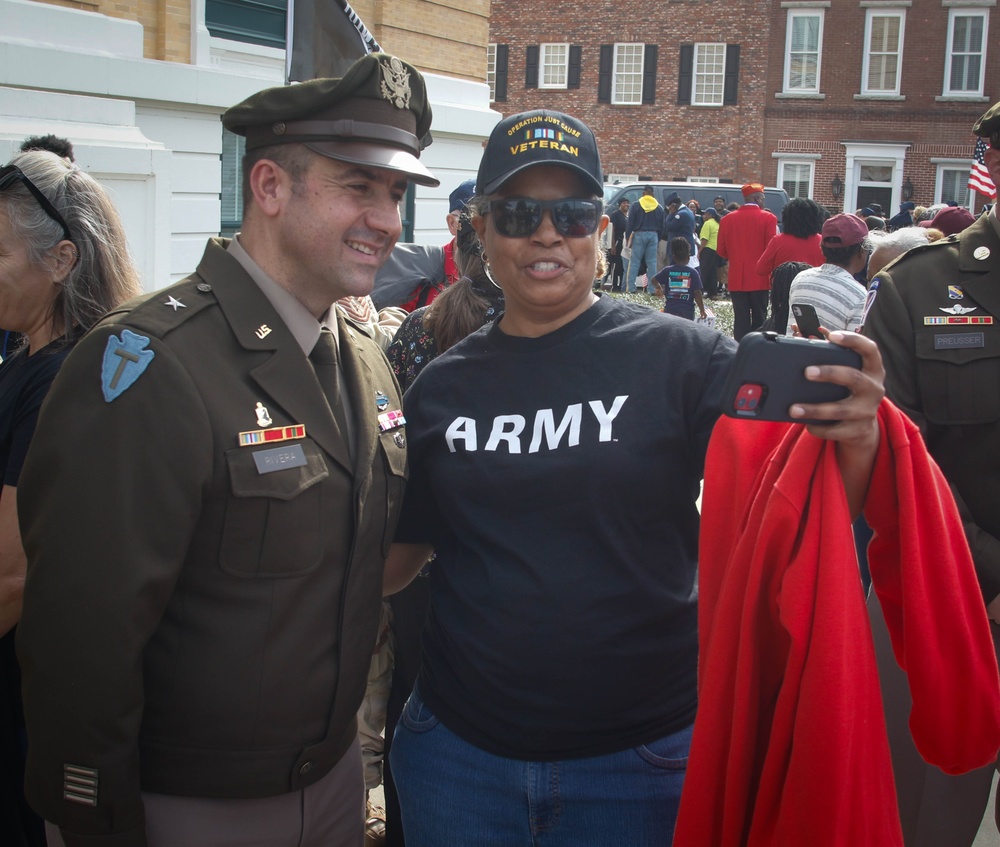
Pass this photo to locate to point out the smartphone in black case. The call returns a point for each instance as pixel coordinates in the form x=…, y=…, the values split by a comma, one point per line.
x=768, y=376
x=806, y=320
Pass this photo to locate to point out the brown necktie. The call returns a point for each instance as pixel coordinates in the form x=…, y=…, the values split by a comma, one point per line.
x=324, y=360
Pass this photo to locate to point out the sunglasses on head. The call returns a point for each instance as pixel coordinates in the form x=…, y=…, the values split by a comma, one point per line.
x=519, y=217
x=9, y=174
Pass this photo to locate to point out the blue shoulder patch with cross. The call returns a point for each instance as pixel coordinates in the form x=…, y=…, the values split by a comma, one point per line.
x=125, y=360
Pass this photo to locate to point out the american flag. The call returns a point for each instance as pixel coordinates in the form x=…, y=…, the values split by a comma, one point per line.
x=979, y=177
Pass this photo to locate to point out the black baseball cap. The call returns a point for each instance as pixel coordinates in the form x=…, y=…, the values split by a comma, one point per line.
x=540, y=137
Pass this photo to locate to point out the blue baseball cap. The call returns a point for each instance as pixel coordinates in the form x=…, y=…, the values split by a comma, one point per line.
x=461, y=195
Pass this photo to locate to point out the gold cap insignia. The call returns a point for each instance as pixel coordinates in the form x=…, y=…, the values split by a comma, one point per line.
x=395, y=83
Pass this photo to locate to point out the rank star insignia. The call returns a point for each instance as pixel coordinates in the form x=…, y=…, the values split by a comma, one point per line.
x=396, y=83
x=173, y=301
x=957, y=309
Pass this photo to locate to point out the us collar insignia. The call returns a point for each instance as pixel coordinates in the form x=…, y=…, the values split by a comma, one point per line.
x=396, y=83
x=957, y=310
x=955, y=292
x=276, y=433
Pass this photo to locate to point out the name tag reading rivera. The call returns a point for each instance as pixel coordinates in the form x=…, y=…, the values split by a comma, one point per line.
x=279, y=458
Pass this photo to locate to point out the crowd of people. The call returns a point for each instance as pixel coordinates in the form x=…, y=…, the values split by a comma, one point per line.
x=759, y=248
x=266, y=541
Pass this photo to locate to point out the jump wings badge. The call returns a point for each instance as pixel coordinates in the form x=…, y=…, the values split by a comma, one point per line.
x=125, y=360
x=396, y=83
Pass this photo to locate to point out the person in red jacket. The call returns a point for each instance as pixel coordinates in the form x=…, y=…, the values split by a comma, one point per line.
x=799, y=239
x=743, y=237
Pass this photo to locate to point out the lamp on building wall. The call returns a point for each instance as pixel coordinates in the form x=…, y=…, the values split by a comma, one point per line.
x=907, y=190
x=836, y=186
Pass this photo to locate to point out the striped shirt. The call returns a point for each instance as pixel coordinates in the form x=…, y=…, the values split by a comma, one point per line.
x=837, y=297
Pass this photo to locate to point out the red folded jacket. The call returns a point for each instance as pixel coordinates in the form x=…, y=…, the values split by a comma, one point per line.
x=789, y=743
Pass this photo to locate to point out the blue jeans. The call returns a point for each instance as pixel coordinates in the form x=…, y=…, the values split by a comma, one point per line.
x=643, y=247
x=451, y=792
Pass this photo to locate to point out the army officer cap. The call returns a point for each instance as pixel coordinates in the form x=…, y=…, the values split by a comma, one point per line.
x=375, y=114
x=988, y=126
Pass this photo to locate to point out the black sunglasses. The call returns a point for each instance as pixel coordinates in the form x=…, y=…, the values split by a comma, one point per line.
x=9, y=174
x=519, y=217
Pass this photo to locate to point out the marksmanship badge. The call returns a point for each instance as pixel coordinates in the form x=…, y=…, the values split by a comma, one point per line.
x=396, y=83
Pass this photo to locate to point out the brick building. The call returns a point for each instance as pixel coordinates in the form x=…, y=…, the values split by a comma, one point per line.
x=846, y=101
x=874, y=101
x=619, y=66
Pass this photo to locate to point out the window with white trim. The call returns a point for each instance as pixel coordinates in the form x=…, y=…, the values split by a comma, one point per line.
x=252, y=21
x=553, y=60
x=883, y=51
x=233, y=149
x=803, y=50
x=627, y=86
x=952, y=184
x=966, y=57
x=709, y=74
x=796, y=177
x=491, y=70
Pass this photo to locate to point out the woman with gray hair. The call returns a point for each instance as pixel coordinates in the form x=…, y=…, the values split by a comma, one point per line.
x=64, y=263
x=883, y=247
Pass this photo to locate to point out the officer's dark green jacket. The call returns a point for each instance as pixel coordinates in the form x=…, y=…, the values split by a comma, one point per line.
x=199, y=616
x=936, y=319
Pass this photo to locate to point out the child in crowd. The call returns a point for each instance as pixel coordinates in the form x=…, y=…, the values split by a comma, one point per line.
x=680, y=283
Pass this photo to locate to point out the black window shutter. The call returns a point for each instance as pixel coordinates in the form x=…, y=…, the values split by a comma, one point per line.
x=500, y=77
x=685, y=75
x=649, y=74
x=604, y=73
x=573, y=71
x=531, y=67
x=732, y=79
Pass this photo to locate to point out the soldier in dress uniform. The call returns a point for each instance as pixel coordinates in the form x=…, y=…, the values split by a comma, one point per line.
x=213, y=489
x=934, y=314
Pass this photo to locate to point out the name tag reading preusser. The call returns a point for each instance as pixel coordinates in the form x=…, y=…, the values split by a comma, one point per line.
x=960, y=339
x=279, y=458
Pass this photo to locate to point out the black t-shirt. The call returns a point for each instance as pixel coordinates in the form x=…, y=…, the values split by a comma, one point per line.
x=24, y=382
x=557, y=478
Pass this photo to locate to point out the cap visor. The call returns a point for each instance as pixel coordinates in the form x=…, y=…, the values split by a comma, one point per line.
x=376, y=156
x=588, y=178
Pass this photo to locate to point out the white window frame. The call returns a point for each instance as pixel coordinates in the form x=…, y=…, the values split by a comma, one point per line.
x=947, y=90
x=715, y=78
x=962, y=167
x=789, y=28
x=806, y=163
x=491, y=70
x=871, y=15
x=622, y=73
x=553, y=65
x=857, y=154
